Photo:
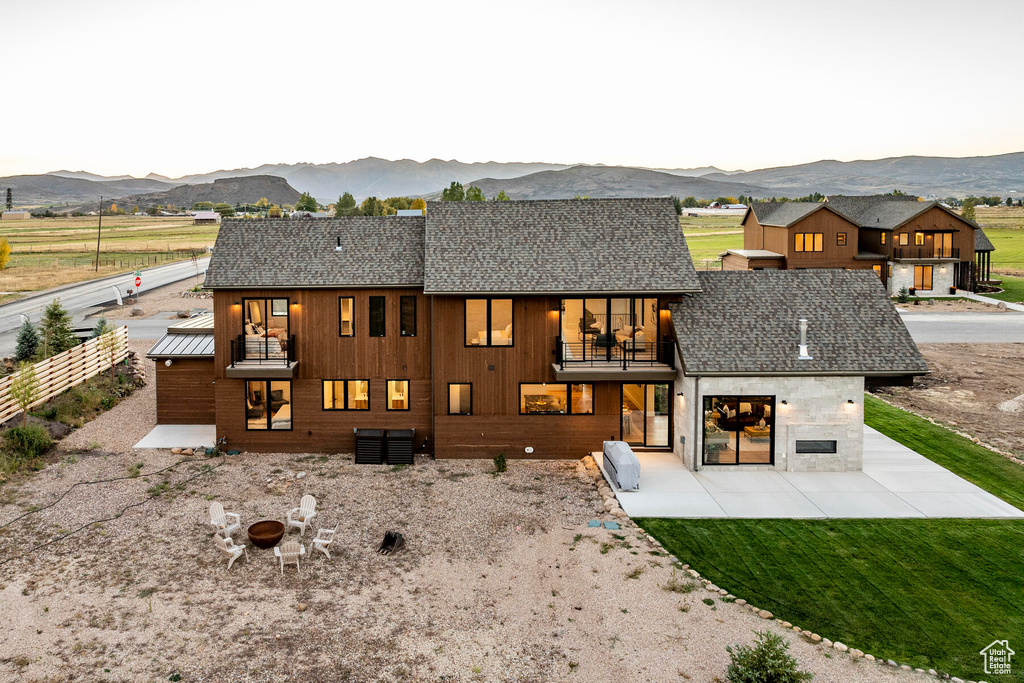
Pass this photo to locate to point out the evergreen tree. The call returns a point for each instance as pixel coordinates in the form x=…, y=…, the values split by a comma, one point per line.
x=58, y=335
x=102, y=327
x=454, y=193
x=345, y=206
x=502, y=197
x=306, y=203
x=10, y=199
x=474, y=194
x=28, y=343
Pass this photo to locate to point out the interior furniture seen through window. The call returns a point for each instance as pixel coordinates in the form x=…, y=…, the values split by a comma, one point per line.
x=646, y=414
x=407, y=324
x=489, y=322
x=268, y=404
x=265, y=328
x=460, y=398
x=922, y=277
x=398, y=394
x=346, y=394
x=808, y=241
x=556, y=398
x=739, y=430
x=601, y=328
x=377, y=318
x=346, y=316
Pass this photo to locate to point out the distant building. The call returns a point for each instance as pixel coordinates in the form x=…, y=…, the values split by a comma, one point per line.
x=411, y=212
x=201, y=217
x=15, y=216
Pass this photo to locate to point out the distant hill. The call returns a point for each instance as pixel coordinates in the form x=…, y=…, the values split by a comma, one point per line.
x=233, y=191
x=610, y=181
x=85, y=175
x=63, y=193
x=943, y=176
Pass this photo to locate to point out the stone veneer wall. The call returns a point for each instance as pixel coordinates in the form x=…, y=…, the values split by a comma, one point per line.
x=941, y=282
x=817, y=409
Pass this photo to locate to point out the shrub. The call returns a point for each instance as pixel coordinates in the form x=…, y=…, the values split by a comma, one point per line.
x=767, y=660
x=27, y=442
x=500, y=463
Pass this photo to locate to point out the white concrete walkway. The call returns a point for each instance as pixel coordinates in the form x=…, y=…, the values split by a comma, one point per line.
x=179, y=436
x=895, y=482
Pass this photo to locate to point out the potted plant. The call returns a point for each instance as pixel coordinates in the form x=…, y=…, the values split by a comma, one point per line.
x=952, y=289
x=913, y=291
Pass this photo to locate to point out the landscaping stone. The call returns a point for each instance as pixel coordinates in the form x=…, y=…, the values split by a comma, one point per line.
x=176, y=451
x=741, y=601
x=869, y=658
x=826, y=642
x=905, y=667
x=891, y=663
x=711, y=587
x=301, y=607
x=933, y=672
x=765, y=614
x=840, y=646
x=300, y=475
x=786, y=624
x=854, y=652
x=815, y=637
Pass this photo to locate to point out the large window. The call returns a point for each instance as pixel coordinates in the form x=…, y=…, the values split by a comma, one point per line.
x=460, y=398
x=268, y=404
x=407, y=324
x=556, y=398
x=489, y=322
x=922, y=277
x=398, y=394
x=377, y=317
x=904, y=239
x=808, y=241
x=346, y=394
x=346, y=316
x=646, y=414
x=600, y=328
x=739, y=430
x=266, y=328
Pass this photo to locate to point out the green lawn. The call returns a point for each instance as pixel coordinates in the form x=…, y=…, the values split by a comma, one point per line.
x=710, y=246
x=930, y=593
x=1013, y=288
x=1009, y=244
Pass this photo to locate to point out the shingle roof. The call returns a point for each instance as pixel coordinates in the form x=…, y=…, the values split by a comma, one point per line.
x=376, y=251
x=556, y=246
x=884, y=212
x=753, y=254
x=748, y=322
x=982, y=242
x=783, y=214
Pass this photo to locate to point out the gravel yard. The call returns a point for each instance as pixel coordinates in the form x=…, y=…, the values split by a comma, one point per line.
x=501, y=579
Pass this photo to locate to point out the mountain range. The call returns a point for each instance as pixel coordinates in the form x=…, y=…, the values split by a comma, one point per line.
x=943, y=176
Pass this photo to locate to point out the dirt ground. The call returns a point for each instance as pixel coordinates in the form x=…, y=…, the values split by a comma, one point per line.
x=501, y=579
x=952, y=306
x=977, y=388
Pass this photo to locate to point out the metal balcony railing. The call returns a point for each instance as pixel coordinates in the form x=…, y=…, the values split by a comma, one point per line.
x=262, y=351
x=598, y=353
x=900, y=253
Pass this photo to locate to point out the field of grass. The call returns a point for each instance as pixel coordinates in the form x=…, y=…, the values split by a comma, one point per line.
x=1013, y=289
x=931, y=593
x=49, y=252
x=709, y=236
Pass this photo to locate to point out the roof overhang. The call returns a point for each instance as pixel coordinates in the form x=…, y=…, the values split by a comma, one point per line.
x=647, y=293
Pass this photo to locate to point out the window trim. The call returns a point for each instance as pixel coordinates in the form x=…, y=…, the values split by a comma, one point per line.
x=266, y=385
x=706, y=398
x=918, y=238
x=470, y=385
x=408, y=395
x=568, y=400
x=344, y=398
x=383, y=319
x=904, y=239
x=401, y=315
x=817, y=242
x=841, y=239
x=488, y=345
x=352, y=308
x=931, y=277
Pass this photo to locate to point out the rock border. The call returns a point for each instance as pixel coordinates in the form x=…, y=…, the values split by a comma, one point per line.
x=590, y=472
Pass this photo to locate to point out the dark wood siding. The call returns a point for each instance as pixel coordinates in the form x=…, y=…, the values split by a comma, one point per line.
x=322, y=354
x=935, y=219
x=185, y=392
x=831, y=255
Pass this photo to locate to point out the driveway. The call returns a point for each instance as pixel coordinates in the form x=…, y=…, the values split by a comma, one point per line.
x=895, y=482
x=965, y=328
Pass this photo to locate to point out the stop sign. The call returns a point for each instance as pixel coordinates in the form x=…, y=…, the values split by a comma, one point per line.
x=138, y=282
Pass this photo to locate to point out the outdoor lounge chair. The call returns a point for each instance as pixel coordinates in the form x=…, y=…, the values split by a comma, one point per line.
x=323, y=540
x=289, y=552
x=224, y=522
x=301, y=516
x=228, y=547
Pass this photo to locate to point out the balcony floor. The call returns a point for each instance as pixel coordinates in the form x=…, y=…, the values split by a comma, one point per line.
x=252, y=369
x=605, y=371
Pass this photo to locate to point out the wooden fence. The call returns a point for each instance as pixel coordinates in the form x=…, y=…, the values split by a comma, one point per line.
x=65, y=370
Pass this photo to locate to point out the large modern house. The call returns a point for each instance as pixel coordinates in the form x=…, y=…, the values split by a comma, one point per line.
x=537, y=329
x=923, y=246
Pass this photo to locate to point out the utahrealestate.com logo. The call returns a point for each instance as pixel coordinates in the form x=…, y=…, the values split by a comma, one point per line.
x=997, y=657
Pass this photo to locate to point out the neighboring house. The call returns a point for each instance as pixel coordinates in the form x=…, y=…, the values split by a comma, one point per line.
x=202, y=217
x=537, y=329
x=920, y=245
x=15, y=216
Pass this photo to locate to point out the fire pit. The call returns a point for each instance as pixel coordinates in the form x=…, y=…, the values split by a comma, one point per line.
x=266, y=534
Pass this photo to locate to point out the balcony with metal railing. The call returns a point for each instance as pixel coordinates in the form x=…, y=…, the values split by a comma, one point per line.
x=925, y=253
x=628, y=360
x=262, y=357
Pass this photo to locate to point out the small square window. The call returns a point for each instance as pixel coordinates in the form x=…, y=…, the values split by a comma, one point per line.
x=841, y=239
x=398, y=394
x=904, y=239
x=460, y=399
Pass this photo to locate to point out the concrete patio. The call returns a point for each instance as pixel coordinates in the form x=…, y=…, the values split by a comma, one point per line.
x=179, y=436
x=895, y=482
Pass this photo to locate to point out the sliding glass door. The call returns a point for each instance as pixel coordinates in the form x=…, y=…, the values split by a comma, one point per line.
x=646, y=414
x=739, y=430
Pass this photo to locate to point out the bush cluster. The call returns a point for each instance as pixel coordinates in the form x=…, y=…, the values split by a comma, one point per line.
x=27, y=443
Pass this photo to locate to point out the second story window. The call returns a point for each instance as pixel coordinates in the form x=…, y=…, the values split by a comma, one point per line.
x=919, y=239
x=377, y=318
x=346, y=316
x=489, y=322
x=808, y=241
x=408, y=316
x=904, y=239
x=883, y=237
x=841, y=239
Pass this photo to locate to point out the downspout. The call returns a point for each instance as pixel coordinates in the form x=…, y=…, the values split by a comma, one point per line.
x=433, y=374
x=698, y=412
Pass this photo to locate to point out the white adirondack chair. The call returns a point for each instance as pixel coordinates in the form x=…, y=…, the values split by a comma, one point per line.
x=289, y=552
x=323, y=540
x=301, y=516
x=224, y=522
x=228, y=547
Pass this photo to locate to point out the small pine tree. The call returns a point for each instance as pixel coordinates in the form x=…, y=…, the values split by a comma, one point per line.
x=58, y=335
x=102, y=327
x=10, y=199
x=28, y=343
x=24, y=389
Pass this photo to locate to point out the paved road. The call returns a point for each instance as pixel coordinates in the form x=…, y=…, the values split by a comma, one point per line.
x=76, y=298
x=952, y=328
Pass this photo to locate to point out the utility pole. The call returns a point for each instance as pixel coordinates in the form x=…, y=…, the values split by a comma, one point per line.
x=99, y=230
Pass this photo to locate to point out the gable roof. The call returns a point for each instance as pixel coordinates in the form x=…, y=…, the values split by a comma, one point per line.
x=747, y=322
x=885, y=212
x=556, y=246
x=982, y=242
x=784, y=214
x=375, y=251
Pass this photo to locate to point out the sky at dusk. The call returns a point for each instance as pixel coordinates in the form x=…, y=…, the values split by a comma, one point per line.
x=134, y=86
